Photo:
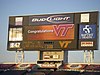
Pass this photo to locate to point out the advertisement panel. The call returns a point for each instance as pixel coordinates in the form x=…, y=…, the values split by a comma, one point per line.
x=86, y=43
x=15, y=34
x=49, y=32
x=18, y=20
x=87, y=36
x=52, y=55
x=47, y=45
x=87, y=31
x=51, y=19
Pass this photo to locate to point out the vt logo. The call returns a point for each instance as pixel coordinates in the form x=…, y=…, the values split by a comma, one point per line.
x=61, y=30
x=64, y=44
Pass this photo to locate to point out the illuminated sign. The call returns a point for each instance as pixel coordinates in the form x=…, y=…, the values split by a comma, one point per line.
x=87, y=44
x=46, y=32
x=42, y=45
x=15, y=45
x=49, y=32
x=85, y=17
x=46, y=57
x=48, y=66
x=18, y=20
x=23, y=66
x=52, y=55
x=51, y=19
x=74, y=66
x=15, y=34
x=87, y=32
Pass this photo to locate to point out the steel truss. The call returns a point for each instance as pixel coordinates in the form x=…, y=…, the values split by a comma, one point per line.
x=19, y=57
x=88, y=56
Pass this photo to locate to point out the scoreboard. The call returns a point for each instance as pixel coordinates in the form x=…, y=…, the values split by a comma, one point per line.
x=62, y=31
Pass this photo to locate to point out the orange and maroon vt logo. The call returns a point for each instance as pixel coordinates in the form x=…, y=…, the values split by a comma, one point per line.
x=61, y=30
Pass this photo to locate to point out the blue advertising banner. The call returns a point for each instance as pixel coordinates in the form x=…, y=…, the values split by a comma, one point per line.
x=87, y=31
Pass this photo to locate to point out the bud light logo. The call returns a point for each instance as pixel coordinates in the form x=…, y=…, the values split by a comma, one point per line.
x=87, y=32
x=50, y=19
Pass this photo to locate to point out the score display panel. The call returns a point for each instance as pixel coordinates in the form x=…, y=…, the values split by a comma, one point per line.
x=66, y=31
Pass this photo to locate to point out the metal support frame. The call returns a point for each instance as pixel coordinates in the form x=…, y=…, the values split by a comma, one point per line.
x=88, y=56
x=19, y=57
x=65, y=57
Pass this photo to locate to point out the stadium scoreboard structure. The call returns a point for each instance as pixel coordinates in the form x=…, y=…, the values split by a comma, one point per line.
x=62, y=31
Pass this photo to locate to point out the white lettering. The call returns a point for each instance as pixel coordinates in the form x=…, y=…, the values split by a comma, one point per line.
x=39, y=31
x=87, y=36
x=51, y=18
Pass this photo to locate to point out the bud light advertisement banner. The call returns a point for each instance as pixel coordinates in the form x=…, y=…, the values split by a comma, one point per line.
x=51, y=19
x=87, y=31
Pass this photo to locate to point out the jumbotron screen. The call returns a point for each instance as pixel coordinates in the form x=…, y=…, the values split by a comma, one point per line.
x=64, y=31
x=49, y=32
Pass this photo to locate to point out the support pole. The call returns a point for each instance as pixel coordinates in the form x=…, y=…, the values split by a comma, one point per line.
x=19, y=57
x=88, y=56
